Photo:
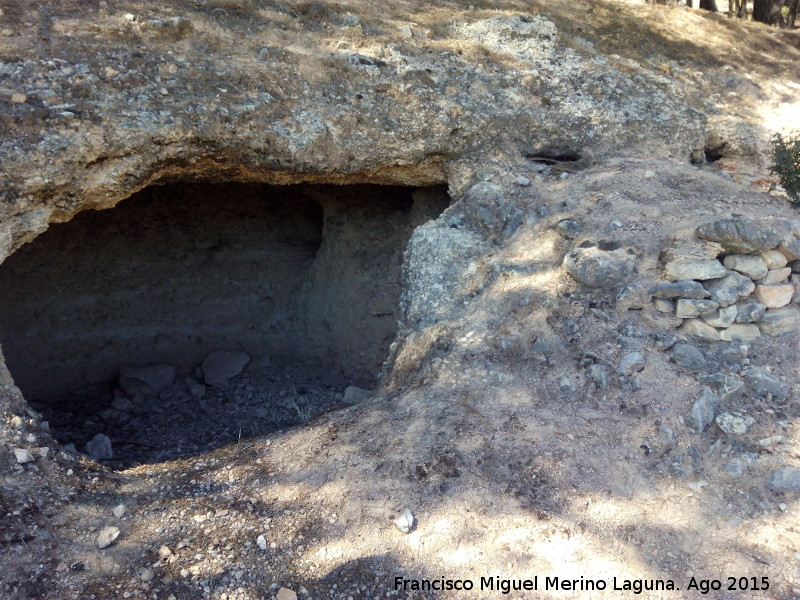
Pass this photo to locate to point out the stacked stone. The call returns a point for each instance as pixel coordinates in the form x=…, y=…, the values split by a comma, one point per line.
x=739, y=285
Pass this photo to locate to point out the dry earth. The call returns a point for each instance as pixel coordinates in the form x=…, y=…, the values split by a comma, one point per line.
x=504, y=416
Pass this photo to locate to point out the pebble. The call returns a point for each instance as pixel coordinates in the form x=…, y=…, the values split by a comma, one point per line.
x=405, y=522
x=120, y=510
x=285, y=594
x=18, y=98
x=522, y=181
x=261, y=542
x=23, y=456
x=107, y=536
x=569, y=227
x=631, y=363
x=147, y=575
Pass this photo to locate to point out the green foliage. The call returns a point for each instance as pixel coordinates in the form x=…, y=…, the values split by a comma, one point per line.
x=786, y=164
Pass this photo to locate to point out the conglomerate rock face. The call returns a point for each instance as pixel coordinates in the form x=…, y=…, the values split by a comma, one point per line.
x=499, y=220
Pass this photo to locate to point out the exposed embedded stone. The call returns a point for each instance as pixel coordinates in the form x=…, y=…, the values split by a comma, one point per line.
x=750, y=311
x=775, y=296
x=784, y=479
x=659, y=444
x=23, y=456
x=743, y=234
x=107, y=536
x=722, y=317
x=687, y=357
x=700, y=330
x=685, y=288
x=740, y=332
x=99, y=448
x=665, y=306
x=790, y=248
x=763, y=383
x=631, y=363
x=632, y=296
x=734, y=423
x=776, y=276
x=703, y=410
x=750, y=266
x=729, y=289
x=726, y=387
x=688, y=308
x=774, y=259
x=695, y=269
x=598, y=268
x=780, y=320
x=659, y=320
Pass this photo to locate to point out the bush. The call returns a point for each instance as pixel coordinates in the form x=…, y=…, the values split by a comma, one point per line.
x=786, y=164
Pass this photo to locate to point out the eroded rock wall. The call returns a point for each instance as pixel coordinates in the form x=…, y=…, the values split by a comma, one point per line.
x=307, y=274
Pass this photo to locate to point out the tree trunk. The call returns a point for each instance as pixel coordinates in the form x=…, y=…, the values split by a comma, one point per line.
x=709, y=5
x=767, y=11
x=793, y=6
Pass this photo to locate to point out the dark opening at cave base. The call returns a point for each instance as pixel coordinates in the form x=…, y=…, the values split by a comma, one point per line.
x=301, y=283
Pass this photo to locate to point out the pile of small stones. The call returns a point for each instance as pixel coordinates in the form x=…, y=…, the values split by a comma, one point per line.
x=152, y=417
x=738, y=284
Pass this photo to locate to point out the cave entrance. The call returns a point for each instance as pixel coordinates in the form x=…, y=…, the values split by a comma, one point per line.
x=192, y=315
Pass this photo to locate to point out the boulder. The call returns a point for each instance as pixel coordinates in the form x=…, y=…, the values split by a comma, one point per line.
x=99, y=448
x=594, y=267
x=145, y=380
x=222, y=365
x=742, y=234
